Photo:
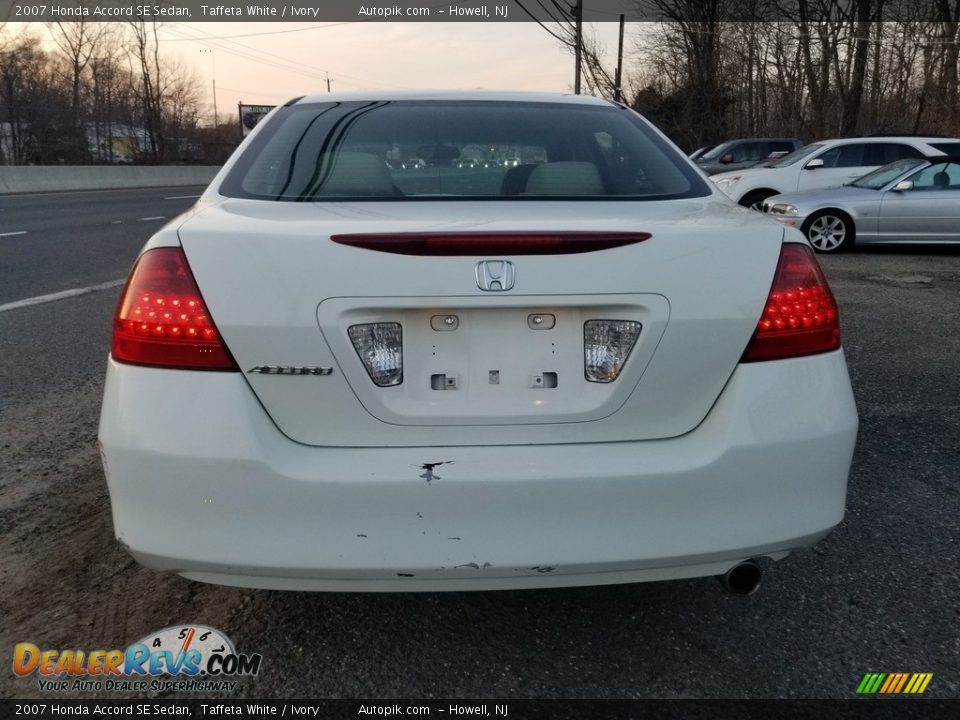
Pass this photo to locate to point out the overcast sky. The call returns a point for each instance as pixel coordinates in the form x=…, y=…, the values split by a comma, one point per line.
x=269, y=63
x=273, y=62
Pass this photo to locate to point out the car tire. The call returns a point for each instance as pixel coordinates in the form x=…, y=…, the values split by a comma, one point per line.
x=829, y=231
x=754, y=200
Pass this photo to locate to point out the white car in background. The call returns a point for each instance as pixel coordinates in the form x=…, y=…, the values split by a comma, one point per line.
x=826, y=164
x=335, y=375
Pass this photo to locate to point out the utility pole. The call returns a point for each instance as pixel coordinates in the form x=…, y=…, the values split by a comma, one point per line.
x=328, y=82
x=579, y=50
x=213, y=60
x=618, y=91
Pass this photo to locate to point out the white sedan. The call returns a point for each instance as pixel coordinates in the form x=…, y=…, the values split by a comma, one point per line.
x=588, y=368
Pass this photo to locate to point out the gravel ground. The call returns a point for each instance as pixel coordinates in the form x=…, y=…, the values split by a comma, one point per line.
x=879, y=595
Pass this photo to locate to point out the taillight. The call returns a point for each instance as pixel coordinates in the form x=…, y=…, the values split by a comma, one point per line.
x=161, y=319
x=800, y=316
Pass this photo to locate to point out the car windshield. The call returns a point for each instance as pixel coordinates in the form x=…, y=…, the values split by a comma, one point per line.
x=796, y=155
x=458, y=149
x=947, y=148
x=719, y=151
x=886, y=174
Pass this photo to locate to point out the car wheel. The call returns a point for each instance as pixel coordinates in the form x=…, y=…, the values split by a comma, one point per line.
x=829, y=231
x=754, y=200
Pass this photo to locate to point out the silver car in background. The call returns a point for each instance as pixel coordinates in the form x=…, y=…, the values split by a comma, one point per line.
x=912, y=200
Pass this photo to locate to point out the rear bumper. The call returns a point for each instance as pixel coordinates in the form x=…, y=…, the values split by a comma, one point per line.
x=203, y=484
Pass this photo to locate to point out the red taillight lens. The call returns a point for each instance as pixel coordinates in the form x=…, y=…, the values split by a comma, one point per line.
x=800, y=317
x=161, y=319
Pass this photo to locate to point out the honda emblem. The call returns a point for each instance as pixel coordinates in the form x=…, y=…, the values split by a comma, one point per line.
x=495, y=275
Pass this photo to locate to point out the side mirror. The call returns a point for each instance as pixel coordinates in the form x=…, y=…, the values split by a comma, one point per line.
x=813, y=164
x=727, y=159
x=903, y=186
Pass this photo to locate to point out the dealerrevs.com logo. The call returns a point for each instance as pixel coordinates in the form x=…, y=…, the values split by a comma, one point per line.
x=180, y=658
x=894, y=683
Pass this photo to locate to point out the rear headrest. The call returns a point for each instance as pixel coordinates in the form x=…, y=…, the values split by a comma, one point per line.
x=515, y=179
x=565, y=178
x=355, y=173
x=941, y=180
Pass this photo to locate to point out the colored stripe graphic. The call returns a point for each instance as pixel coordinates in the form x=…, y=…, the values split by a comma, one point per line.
x=901, y=682
x=890, y=682
x=875, y=685
x=894, y=683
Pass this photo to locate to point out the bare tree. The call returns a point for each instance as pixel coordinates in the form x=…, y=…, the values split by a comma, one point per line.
x=689, y=53
x=32, y=104
x=78, y=42
x=147, y=85
x=111, y=95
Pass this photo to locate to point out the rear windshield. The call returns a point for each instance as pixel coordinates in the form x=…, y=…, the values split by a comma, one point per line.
x=442, y=150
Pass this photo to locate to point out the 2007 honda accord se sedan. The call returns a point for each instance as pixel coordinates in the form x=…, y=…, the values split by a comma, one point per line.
x=547, y=353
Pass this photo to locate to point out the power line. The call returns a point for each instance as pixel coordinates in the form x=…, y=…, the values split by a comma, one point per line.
x=266, y=32
x=245, y=55
x=250, y=53
x=537, y=21
x=565, y=12
x=297, y=64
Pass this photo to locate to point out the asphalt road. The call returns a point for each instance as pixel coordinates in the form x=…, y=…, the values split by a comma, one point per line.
x=56, y=241
x=881, y=594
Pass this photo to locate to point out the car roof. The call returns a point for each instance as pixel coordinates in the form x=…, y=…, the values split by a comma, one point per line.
x=752, y=139
x=925, y=139
x=483, y=95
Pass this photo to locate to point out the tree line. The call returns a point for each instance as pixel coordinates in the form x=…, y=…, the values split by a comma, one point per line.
x=99, y=93
x=717, y=69
x=710, y=70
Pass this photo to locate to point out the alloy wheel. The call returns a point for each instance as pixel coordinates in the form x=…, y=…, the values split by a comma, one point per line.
x=827, y=233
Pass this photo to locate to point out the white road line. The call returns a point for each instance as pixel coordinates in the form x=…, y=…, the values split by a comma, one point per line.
x=154, y=217
x=98, y=190
x=182, y=197
x=40, y=299
x=18, y=232
x=116, y=222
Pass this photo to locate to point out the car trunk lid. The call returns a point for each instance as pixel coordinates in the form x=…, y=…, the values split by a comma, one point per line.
x=481, y=365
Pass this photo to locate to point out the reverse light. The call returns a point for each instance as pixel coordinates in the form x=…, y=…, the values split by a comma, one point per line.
x=161, y=319
x=800, y=316
x=380, y=347
x=606, y=347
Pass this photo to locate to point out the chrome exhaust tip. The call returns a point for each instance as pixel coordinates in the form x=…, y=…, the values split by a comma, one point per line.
x=743, y=578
